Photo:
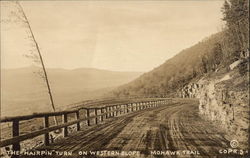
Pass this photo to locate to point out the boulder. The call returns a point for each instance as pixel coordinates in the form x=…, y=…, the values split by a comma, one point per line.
x=235, y=64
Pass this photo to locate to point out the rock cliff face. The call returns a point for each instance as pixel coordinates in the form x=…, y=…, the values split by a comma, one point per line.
x=224, y=99
x=227, y=106
x=191, y=90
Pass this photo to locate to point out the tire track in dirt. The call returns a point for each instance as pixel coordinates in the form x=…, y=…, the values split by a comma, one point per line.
x=170, y=127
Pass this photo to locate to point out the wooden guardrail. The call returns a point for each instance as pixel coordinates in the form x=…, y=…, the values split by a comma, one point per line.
x=100, y=113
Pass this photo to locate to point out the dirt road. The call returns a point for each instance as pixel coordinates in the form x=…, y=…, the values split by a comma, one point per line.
x=173, y=130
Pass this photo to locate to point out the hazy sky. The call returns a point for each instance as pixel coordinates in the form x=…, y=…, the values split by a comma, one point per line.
x=121, y=36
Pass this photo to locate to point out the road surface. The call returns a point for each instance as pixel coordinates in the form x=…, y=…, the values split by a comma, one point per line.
x=172, y=130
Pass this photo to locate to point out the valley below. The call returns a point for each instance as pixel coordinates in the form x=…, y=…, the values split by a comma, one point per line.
x=24, y=91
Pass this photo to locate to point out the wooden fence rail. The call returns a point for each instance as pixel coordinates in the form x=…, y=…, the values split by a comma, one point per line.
x=100, y=113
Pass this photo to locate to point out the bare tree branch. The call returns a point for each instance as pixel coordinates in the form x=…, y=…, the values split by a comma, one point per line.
x=37, y=58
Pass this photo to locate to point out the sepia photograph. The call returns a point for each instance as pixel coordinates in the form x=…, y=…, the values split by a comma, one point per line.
x=124, y=79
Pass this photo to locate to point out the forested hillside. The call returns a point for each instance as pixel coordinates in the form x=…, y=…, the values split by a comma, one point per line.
x=207, y=56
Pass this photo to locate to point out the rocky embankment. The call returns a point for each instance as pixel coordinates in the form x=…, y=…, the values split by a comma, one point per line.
x=224, y=99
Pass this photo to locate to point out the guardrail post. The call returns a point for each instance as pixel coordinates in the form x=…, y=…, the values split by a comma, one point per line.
x=46, y=135
x=112, y=109
x=102, y=111
x=119, y=110
x=65, y=129
x=87, y=116
x=123, y=109
x=96, y=118
x=78, y=124
x=107, y=109
x=132, y=107
x=115, y=112
x=15, y=132
x=127, y=108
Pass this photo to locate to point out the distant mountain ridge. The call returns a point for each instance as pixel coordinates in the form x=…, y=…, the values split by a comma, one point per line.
x=23, y=88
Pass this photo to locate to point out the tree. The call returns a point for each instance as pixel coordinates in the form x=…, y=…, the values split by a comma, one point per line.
x=36, y=57
x=235, y=14
x=204, y=64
